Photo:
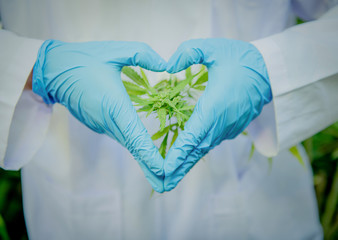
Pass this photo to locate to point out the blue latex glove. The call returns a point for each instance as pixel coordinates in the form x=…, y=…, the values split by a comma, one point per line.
x=86, y=79
x=237, y=89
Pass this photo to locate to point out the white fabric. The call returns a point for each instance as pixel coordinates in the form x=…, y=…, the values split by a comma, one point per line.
x=81, y=185
x=17, y=59
x=299, y=118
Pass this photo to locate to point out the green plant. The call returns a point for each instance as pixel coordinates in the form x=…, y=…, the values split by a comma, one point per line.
x=170, y=99
x=322, y=150
x=12, y=225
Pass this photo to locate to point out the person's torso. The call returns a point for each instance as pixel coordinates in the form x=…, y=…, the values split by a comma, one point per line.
x=89, y=186
x=160, y=23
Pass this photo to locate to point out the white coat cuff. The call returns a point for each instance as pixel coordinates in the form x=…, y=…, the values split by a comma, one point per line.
x=28, y=130
x=264, y=129
x=17, y=58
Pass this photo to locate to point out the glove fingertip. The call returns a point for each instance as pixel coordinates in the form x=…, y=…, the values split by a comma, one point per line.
x=173, y=160
x=150, y=60
x=157, y=170
x=184, y=58
x=173, y=66
x=153, y=161
x=160, y=66
x=171, y=70
x=170, y=186
x=159, y=190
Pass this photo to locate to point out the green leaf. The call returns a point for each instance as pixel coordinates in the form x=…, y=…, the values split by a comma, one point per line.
x=162, y=84
x=162, y=115
x=186, y=107
x=252, y=151
x=173, y=81
x=150, y=111
x=188, y=114
x=185, y=115
x=179, y=120
x=203, y=68
x=135, y=93
x=160, y=133
x=179, y=87
x=172, y=112
x=176, y=100
x=174, y=136
x=145, y=108
x=170, y=103
x=202, y=79
x=141, y=101
x=163, y=147
x=270, y=163
x=189, y=95
x=199, y=87
x=133, y=75
x=296, y=154
x=152, y=193
x=145, y=79
x=188, y=73
x=133, y=89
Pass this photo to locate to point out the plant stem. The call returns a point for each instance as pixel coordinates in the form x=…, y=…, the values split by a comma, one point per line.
x=308, y=144
x=331, y=204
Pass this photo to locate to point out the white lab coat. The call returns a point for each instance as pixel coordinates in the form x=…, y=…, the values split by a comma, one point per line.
x=78, y=184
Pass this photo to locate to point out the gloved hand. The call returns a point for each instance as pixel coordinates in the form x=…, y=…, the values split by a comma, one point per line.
x=86, y=79
x=237, y=89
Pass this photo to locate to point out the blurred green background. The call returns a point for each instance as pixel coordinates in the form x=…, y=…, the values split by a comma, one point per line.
x=321, y=148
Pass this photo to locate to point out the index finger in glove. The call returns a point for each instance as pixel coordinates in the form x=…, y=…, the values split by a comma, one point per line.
x=195, y=51
x=124, y=53
x=179, y=162
x=188, y=142
x=125, y=125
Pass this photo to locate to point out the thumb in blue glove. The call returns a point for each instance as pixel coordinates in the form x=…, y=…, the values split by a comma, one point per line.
x=86, y=79
x=237, y=89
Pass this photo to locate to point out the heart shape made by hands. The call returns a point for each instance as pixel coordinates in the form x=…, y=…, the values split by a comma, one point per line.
x=86, y=78
x=237, y=90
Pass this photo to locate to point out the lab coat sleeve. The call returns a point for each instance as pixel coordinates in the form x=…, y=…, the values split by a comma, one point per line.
x=302, y=64
x=21, y=124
